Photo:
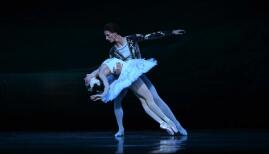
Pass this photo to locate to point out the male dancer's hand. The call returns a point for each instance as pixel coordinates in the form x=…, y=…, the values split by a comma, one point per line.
x=178, y=32
x=117, y=70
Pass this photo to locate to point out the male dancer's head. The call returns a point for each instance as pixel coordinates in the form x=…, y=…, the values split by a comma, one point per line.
x=112, y=32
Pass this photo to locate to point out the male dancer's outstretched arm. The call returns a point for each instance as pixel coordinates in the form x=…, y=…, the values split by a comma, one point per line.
x=156, y=35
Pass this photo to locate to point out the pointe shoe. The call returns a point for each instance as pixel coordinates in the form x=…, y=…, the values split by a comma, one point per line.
x=183, y=132
x=165, y=126
x=173, y=126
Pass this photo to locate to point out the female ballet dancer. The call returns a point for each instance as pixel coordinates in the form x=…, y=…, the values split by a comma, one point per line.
x=129, y=73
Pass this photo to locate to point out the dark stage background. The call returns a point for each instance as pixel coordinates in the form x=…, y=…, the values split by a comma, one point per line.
x=214, y=77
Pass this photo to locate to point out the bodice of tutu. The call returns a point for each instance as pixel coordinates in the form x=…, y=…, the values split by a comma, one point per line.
x=112, y=63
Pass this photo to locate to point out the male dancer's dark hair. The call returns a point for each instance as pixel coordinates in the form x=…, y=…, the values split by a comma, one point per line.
x=112, y=27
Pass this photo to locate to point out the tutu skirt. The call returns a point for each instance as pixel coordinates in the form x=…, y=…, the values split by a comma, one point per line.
x=130, y=72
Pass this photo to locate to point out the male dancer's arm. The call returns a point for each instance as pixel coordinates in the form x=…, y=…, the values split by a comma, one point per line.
x=156, y=35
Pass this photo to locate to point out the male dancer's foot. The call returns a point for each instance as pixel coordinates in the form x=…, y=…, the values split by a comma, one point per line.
x=119, y=133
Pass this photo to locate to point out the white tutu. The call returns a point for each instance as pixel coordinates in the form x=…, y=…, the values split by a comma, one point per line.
x=131, y=71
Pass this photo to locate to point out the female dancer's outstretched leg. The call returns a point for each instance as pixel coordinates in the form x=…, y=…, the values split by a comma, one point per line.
x=141, y=90
x=162, y=105
x=163, y=124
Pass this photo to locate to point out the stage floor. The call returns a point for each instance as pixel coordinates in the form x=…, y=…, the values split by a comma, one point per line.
x=205, y=141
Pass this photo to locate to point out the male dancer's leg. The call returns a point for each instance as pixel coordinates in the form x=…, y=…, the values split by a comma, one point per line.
x=119, y=112
x=118, y=107
x=162, y=105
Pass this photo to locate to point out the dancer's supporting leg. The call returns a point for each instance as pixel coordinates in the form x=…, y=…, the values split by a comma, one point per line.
x=119, y=112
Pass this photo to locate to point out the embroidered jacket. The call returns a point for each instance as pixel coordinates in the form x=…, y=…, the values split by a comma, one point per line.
x=132, y=42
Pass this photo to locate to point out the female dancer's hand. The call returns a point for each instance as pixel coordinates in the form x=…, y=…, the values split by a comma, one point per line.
x=96, y=97
x=178, y=32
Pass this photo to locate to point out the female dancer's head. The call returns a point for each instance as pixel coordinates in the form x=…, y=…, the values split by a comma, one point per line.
x=93, y=80
x=111, y=32
x=93, y=84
